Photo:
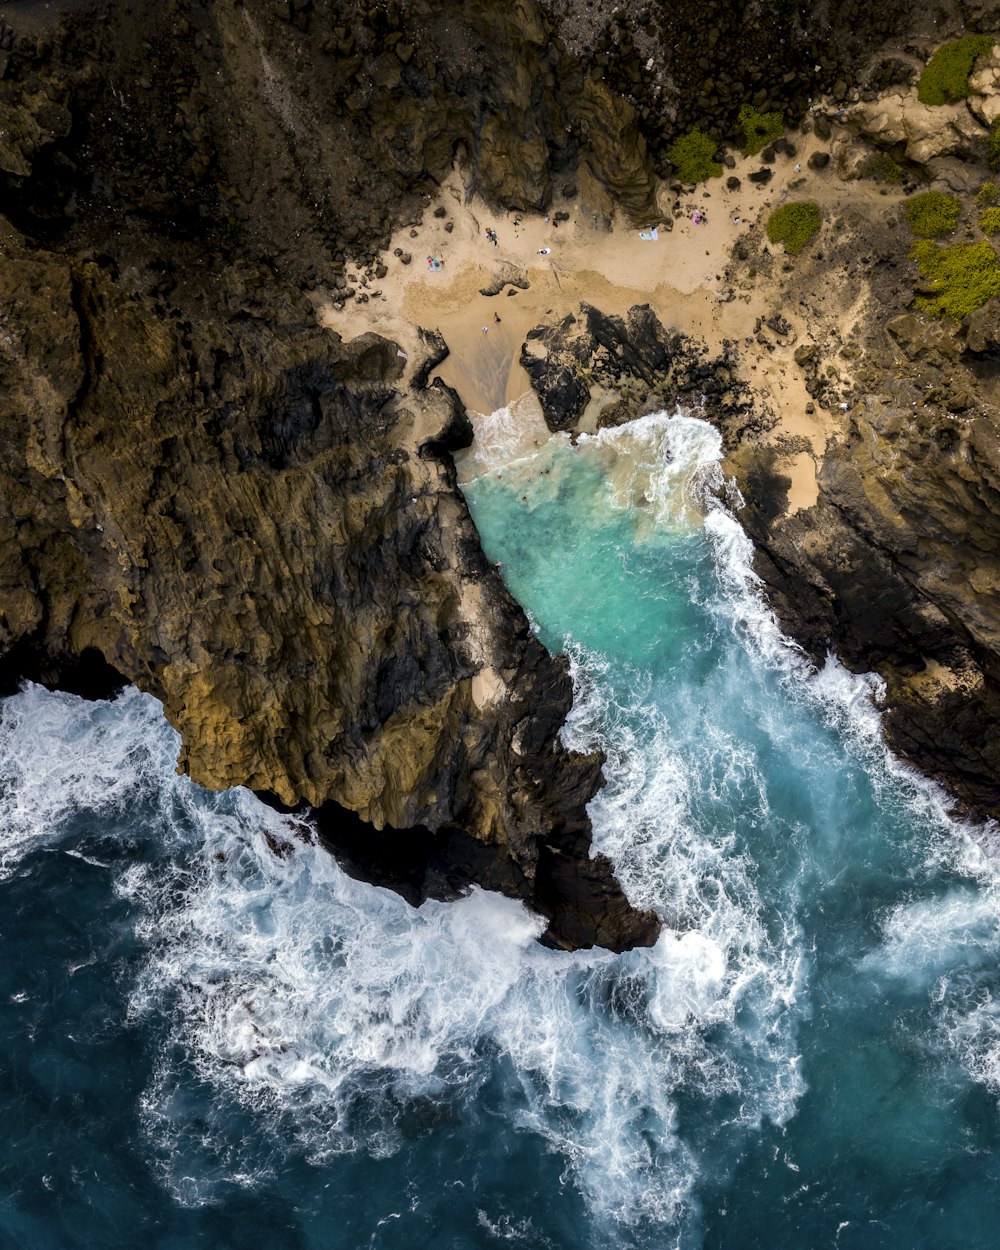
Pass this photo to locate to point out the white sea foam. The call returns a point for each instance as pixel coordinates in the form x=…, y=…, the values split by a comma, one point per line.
x=847, y=701
x=946, y=945
x=663, y=467
x=326, y=1005
x=512, y=432
x=58, y=754
x=324, y=1008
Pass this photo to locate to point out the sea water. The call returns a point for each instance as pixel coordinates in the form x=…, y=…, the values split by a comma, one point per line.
x=210, y=1036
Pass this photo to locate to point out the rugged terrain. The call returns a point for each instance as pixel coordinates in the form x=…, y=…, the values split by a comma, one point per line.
x=209, y=495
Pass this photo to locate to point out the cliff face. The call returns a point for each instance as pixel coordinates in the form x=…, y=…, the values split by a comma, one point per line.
x=300, y=131
x=243, y=518
x=256, y=522
x=896, y=567
x=209, y=496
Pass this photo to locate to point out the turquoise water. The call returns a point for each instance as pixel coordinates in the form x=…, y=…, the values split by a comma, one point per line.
x=203, y=1043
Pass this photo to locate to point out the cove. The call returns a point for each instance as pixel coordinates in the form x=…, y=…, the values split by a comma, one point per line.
x=206, y=1032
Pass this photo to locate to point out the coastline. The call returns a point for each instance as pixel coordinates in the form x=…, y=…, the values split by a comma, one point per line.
x=827, y=348
x=261, y=525
x=687, y=276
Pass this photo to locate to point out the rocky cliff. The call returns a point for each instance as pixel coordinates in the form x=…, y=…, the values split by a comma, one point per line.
x=207, y=495
x=240, y=515
x=896, y=567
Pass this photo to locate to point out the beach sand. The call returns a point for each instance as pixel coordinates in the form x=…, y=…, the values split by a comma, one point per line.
x=682, y=276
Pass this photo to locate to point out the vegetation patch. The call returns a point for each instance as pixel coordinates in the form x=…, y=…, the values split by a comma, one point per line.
x=882, y=168
x=989, y=223
x=993, y=146
x=693, y=156
x=932, y=214
x=794, y=225
x=946, y=75
x=962, y=277
x=759, y=129
x=987, y=194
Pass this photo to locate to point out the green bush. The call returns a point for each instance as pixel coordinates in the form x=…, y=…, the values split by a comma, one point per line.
x=989, y=223
x=882, y=168
x=794, y=225
x=987, y=194
x=963, y=277
x=932, y=214
x=693, y=155
x=946, y=74
x=759, y=129
x=993, y=146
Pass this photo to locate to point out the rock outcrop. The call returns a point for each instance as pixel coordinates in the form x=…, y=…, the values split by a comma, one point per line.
x=633, y=365
x=207, y=495
x=896, y=567
x=240, y=515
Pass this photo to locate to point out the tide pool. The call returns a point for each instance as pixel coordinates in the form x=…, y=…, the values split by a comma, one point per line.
x=203, y=1043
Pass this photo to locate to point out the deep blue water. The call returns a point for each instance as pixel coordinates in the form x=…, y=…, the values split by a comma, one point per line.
x=205, y=1044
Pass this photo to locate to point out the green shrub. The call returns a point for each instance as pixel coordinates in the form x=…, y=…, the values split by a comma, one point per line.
x=993, y=146
x=989, y=223
x=693, y=155
x=932, y=214
x=794, y=225
x=963, y=276
x=759, y=129
x=882, y=168
x=987, y=194
x=946, y=74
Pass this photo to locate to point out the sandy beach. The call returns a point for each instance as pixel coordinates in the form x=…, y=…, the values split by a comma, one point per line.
x=686, y=275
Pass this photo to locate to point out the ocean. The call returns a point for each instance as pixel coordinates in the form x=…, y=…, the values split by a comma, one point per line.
x=211, y=1037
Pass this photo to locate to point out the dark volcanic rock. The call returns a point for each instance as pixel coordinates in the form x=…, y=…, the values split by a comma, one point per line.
x=556, y=374
x=208, y=495
x=239, y=515
x=896, y=567
x=639, y=365
x=213, y=498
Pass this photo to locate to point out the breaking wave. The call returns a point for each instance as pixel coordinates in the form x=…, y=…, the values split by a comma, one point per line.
x=299, y=1013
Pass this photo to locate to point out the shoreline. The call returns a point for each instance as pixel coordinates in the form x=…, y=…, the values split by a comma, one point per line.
x=687, y=276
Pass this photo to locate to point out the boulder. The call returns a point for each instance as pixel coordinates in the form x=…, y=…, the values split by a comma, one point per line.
x=982, y=328
x=927, y=131
x=984, y=89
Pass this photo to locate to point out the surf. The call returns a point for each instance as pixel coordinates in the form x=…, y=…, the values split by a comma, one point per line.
x=304, y=1043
